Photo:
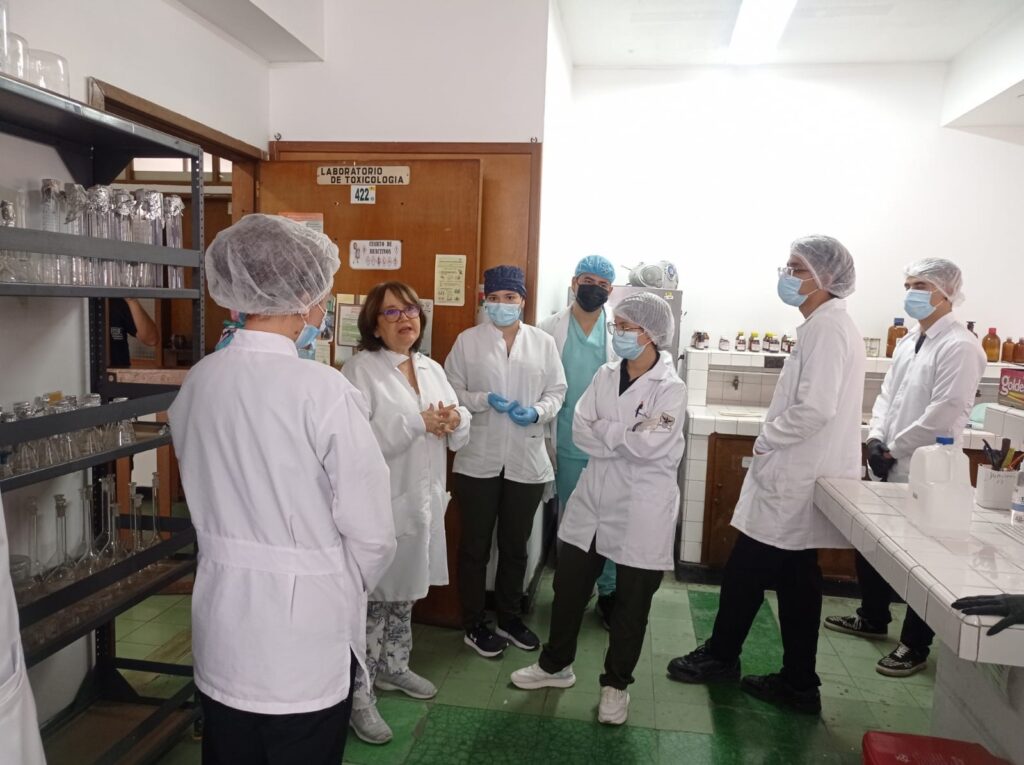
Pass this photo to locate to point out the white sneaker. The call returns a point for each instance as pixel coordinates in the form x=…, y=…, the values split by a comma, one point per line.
x=614, y=707
x=370, y=726
x=407, y=682
x=533, y=677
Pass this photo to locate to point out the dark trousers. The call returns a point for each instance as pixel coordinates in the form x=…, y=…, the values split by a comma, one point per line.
x=795, y=576
x=574, y=583
x=231, y=736
x=876, y=597
x=484, y=502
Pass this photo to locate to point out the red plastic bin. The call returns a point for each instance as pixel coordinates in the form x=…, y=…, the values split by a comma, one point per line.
x=905, y=749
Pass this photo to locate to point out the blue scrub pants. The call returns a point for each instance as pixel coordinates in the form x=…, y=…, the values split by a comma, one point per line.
x=566, y=478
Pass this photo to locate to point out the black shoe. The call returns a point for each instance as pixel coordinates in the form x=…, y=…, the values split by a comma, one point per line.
x=775, y=690
x=699, y=666
x=519, y=635
x=902, y=662
x=484, y=642
x=605, y=606
x=854, y=625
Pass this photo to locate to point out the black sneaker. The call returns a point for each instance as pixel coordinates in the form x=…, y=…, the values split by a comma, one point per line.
x=902, y=662
x=604, y=607
x=519, y=635
x=699, y=666
x=775, y=690
x=484, y=642
x=854, y=625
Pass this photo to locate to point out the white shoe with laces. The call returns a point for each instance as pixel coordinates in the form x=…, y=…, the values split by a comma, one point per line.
x=370, y=726
x=407, y=682
x=533, y=677
x=614, y=708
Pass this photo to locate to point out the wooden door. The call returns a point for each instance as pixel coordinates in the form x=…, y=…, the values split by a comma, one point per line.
x=728, y=459
x=437, y=213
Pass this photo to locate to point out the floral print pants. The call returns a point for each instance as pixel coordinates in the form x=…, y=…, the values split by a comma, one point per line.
x=388, y=645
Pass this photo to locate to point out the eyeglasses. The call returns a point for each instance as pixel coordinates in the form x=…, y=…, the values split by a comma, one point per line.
x=791, y=271
x=615, y=329
x=394, y=314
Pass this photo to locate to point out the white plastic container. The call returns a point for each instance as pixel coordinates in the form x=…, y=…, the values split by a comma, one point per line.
x=995, y=487
x=941, y=498
x=1017, y=502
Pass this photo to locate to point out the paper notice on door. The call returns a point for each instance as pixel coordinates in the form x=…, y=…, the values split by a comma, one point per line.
x=375, y=255
x=314, y=221
x=450, y=280
x=347, y=333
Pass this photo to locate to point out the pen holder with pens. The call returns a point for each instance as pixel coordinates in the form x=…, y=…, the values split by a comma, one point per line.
x=995, y=488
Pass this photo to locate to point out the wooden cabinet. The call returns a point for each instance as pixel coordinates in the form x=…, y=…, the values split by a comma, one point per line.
x=728, y=460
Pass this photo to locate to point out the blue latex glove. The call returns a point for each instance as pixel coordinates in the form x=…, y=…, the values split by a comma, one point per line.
x=500, y=403
x=524, y=415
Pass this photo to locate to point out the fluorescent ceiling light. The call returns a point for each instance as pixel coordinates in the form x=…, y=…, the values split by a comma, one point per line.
x=759, y=27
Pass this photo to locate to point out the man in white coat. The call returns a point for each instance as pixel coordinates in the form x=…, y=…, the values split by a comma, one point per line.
x=630, y=423
x=811, y=431
x=928, y=392
x=286, y=487
x=19, y=730
x=584, y=346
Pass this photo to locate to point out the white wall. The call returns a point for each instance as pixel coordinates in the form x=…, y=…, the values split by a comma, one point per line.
x=719, y=169
x=447, y=70
x=156, y=49
x=556, y=239
x=983, y=70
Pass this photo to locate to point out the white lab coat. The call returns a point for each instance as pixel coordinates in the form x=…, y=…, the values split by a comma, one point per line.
x=929, y=393
x=20, y=743
x=530, y=374
x=418, y=462
x=285, y=485
x=811, y=431
x=557, y=325
x=628, y=495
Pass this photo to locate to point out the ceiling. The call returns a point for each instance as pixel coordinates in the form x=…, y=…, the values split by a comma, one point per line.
x=668, y=33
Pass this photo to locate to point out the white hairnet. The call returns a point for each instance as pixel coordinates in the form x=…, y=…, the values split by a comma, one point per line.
x=944, y=274
x=650, y=312
x=268, y=265
x=829, y=262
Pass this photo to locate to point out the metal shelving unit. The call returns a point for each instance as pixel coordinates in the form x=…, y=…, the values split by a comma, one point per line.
x=96, y=147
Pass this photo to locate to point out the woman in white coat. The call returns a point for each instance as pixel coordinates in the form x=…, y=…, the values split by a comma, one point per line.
x=282, y=473
x=416, y=417
x=19, y=730
x=811, y=431
x=625, y=507
x=509, y=376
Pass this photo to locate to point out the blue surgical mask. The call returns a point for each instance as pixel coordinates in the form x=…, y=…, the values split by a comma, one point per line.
x=626, y=345
x=307, y=337
x=503, y=314
x=789, y=290
x=918, y=304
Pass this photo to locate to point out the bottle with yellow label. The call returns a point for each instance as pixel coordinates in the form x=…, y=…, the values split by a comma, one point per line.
x=755, y=342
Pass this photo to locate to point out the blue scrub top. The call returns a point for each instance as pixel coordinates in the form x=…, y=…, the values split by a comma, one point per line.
x=582, y=356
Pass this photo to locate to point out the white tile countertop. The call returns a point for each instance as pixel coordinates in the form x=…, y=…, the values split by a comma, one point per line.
x=930, y=572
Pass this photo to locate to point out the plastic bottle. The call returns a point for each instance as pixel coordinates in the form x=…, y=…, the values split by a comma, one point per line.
x=723, y=343
x=991, y=344
x=896, y=331
x=755, y=342
x=941, y=499
x=1017, y=503
x=1018, y=353
x=1009, y=349
x=741, y=342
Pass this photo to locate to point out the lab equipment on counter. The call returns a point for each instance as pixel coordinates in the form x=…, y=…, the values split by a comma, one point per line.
x=991, y=344
x=1017, y=501
x=1018, y=353
x=741, y=342
x=896, y=331
x=723, y=343
x=941, y=498
x=755, y=342
x=872, y=347
x=48, y=70
x=1009, y=349
x=772, y=343
x=995, y=487
x=661, y=275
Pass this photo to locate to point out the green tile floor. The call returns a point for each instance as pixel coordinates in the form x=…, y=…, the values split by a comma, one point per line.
x=479, y=717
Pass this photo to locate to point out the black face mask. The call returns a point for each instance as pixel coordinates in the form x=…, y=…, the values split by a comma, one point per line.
x=591, y=296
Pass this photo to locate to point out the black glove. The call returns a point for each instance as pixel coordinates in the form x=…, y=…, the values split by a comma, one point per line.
x=1009, y=606
x=879, y=463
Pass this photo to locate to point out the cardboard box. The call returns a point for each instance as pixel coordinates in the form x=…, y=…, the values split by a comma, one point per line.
x=1011, y=388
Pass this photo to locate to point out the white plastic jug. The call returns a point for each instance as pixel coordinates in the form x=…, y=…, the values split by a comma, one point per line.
x=941, y=499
